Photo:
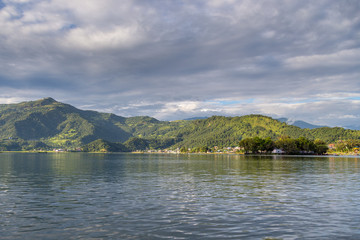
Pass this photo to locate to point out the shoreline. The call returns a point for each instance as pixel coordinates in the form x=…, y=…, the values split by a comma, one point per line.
x=332, y=154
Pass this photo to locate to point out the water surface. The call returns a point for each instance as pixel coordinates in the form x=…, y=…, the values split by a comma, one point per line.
x=150, y=196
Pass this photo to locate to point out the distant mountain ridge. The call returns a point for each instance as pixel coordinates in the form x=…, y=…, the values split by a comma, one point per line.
x=352, y=127
x=299, y=123
x=47, y=122
x=195, y=118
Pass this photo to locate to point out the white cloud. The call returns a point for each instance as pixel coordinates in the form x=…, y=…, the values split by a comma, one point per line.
x=170, y=59
x=348, y=57
x=95, y=40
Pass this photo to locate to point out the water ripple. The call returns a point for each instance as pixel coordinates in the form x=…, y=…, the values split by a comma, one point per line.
x=124, y=196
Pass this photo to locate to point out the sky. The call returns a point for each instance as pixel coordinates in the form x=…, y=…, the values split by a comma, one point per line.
x=179, y=59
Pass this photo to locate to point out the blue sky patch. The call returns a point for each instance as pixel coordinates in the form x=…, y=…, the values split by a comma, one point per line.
x=69, y=27
x=2, y=5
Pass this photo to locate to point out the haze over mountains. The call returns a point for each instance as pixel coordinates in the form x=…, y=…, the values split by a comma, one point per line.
x=58, y=124
x=297, y=123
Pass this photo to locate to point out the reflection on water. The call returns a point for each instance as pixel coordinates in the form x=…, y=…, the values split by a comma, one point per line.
x=141, y=196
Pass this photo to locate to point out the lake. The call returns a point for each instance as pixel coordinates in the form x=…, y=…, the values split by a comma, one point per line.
x=160, y=196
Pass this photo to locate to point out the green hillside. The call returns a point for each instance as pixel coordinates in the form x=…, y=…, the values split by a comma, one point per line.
x=101, y=145
x=46, y=122
x=228, y=131
x=58, y=124
x=61, y=125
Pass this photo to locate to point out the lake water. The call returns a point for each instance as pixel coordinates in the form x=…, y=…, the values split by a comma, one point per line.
x=151, y=196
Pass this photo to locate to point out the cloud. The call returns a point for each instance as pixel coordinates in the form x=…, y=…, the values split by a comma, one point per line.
x=349, y=58
x=95, y=40
x=182, y=58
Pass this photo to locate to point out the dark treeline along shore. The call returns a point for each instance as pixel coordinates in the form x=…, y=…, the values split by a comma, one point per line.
x=47, y=124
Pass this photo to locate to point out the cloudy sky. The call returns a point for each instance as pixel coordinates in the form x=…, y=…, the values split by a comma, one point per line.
x=184, y=58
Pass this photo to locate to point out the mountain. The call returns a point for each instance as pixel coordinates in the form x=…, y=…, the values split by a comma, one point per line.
x=195, y=118
x=299, y=123
x=227, y=131
x=353, y=127
x=48, y=123
x=59, y=124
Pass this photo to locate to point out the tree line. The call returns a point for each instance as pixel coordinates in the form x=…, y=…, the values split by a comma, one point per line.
x=289, y=145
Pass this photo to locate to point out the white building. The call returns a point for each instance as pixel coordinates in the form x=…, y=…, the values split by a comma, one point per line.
x=278, y=151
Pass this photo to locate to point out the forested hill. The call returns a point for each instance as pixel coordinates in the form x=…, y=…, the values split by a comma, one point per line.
x=226, y=131
x=46, y=122
x=62, y=125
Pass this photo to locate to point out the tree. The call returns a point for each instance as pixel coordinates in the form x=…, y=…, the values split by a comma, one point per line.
x=304, y=144
x=320, y=146
x=287, y=144
x=268, y=145
x=183, y=149
x=203, y=149
x=248, y=144
x=257, y=144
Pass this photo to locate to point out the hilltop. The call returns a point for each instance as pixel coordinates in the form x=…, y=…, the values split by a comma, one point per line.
x=49, y=123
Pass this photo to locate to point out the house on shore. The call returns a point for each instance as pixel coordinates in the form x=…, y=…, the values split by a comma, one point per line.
x=278, y=151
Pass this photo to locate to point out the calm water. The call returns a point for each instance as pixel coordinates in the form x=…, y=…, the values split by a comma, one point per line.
x=130, y=196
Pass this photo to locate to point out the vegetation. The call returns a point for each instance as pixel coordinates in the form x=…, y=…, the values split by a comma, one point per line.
x=285, y=143
x=257, y=144
x=21, y=145
x=51, y=124
x=134, y=144
x=228, y=131
x=101, y=145
x=347, y=146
